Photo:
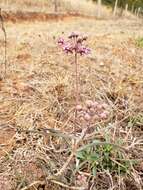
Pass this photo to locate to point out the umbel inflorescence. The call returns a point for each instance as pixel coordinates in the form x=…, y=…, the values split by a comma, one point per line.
x=92, y=110
x=74, y=44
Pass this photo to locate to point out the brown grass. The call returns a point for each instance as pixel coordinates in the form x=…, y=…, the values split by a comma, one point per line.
x=36, y=102
x=46, y=6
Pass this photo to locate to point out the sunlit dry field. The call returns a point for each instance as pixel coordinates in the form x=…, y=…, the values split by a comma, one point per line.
x=37, y=101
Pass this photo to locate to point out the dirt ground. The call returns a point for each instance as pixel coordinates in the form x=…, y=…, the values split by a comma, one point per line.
x=38, y=88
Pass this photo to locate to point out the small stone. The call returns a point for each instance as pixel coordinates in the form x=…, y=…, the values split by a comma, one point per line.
x=101, y=64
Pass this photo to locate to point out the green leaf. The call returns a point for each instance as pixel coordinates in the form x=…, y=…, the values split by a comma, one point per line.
x=94, y=171
x=93, y=157
x=80, y=155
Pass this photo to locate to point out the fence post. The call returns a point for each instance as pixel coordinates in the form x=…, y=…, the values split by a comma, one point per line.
x=99, y=9
x=115, y=7
x=55, y=5
x=126, y=8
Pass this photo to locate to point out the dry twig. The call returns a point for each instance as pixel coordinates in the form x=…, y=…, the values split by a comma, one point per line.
x=5, y=41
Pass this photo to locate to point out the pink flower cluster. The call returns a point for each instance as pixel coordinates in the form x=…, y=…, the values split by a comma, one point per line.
x=74, y=44
x=92, y=111
x=82, y=180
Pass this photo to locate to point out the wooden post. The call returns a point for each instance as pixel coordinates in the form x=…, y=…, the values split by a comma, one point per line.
x=132, y=10
x=126, y=8
x=55, y=5
x=138, y=11
x=115, y=8
x=99, y=9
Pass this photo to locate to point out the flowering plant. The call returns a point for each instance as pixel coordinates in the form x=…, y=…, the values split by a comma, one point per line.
x=75, y=44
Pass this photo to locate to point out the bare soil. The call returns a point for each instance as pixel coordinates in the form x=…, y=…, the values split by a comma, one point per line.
x=37, y=91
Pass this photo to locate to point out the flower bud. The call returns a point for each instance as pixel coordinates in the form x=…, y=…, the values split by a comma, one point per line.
x=79, y=108
x=95, y=104
x=89, y=103
x=104, y=105
x=99, y=106
x=91, y=111
x=87, y=117
x=103, y=115
x=81, y=118
x=67, y=48
x=61, y=41
x=84, y=38
x=74, y=35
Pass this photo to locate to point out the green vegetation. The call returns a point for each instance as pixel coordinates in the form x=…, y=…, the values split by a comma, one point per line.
x=139, y=42
x=132, y=4
x=101, y=156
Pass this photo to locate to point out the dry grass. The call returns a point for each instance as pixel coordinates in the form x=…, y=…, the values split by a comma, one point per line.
x=78, y=6
x=36, y=103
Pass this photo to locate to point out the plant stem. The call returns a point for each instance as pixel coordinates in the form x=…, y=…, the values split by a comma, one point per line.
x=76, y=73
x=76, y=84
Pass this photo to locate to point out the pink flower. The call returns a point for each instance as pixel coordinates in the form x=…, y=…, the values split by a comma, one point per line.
x=81, y=39
x=73, y=35
x=83, y=50
x=68, y=48
x=87, y=50
x=74, y=44
x=61, y=41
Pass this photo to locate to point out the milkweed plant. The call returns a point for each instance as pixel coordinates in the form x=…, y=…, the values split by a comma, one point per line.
x=75, y=45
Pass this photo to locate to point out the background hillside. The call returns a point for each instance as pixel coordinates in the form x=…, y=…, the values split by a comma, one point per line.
x=86, y=7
